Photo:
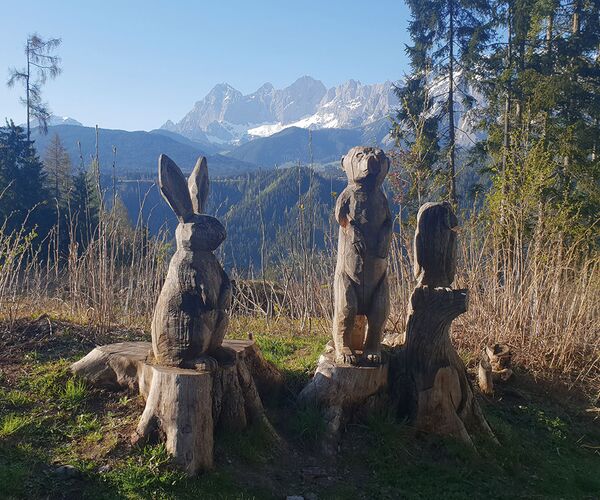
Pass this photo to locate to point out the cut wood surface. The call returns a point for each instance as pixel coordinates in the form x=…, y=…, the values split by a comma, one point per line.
x=495, y=365
x=343, y=385
x=179, y=411
x=115, y=366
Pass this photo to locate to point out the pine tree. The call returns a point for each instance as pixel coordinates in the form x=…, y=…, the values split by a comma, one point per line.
x=57, y=164
x=23, y=196
x=544, y=84
x=41, y=64
x=415, y=132
x=448, y=37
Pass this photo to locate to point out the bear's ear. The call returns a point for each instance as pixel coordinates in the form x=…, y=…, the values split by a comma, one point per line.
x=342, y=162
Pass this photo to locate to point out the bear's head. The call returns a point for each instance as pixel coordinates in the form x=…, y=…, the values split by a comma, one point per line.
x=366, y=166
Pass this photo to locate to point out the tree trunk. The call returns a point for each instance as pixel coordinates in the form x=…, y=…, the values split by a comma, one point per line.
x=341, y=392
x=507, y=108
x=451, y=126
x=27, y=96
x=179, y=412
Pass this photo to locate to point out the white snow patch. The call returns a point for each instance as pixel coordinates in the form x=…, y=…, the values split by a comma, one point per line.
x=266, y=130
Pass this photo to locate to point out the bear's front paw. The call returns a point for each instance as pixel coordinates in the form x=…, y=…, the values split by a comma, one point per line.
x=346, y=357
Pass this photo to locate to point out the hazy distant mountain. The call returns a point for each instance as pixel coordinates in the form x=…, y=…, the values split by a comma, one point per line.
x=267, y=128
x=203, y=143
x=225, y=115
x=56, y=120
x=136, y=152
x=63, y=120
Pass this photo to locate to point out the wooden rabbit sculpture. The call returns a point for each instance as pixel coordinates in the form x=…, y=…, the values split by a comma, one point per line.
x=190, y=318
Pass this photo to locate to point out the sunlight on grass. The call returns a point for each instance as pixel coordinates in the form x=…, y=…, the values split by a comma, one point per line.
x=14, y=398
x=75, y=391
x=13, y=423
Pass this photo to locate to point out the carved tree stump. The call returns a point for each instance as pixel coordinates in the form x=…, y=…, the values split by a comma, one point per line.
x=442, y=396
x=340, y=391
x=441, y=400
x=185, y=406
x=179, y=412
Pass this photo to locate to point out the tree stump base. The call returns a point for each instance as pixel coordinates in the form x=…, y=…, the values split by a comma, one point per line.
x=341, y=392
x=184, y=407
x=442, y=400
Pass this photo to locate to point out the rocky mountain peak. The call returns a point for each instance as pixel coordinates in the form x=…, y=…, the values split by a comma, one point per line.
x=228, y=115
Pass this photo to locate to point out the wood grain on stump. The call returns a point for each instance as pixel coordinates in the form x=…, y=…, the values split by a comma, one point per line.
x=185, y=406
x=179, y=412
x=495, y=365
x=339, y=391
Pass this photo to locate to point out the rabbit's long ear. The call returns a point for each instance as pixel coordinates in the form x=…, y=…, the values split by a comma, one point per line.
x=198, y=185
x=173, y=188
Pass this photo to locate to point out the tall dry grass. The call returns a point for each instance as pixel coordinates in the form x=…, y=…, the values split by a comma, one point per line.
x=540, y=298
x=115, y=279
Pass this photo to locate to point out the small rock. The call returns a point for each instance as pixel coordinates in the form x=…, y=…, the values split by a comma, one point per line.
x=66, y=471
x=104, y=469
x=294, y=497
x=311, y=496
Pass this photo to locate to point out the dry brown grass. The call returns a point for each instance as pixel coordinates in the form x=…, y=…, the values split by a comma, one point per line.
x=543, y=301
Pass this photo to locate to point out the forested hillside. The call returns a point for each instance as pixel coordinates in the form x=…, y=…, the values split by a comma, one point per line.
x=268, y=214
x=530, y=73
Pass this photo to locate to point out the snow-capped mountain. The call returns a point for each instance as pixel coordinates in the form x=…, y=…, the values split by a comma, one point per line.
x=63, y=120
x=56, y=120
x=226, y=115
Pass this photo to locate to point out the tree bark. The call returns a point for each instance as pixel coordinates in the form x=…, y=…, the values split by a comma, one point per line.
x=451, y=126
x=341, y=392
x=179, y=412
x=442, y=398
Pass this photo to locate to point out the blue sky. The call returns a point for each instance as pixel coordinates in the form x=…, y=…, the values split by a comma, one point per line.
x=134, y=64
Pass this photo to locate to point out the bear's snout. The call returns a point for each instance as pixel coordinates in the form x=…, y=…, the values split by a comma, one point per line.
x=373, y=164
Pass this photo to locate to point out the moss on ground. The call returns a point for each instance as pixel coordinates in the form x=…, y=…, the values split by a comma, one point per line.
x=549, y=448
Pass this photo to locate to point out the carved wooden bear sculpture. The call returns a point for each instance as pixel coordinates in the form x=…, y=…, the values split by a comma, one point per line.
x=361, y=293
x=190, y=318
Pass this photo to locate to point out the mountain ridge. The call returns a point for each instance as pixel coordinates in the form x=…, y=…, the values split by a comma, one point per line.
x=136, y=152
x=227, y=116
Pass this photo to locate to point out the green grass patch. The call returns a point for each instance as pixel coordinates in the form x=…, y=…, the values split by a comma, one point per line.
x=75, y=392
x=307, y=426
x=48, y=418
x=254, y=445
x=12, y=424
x=295, y=356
